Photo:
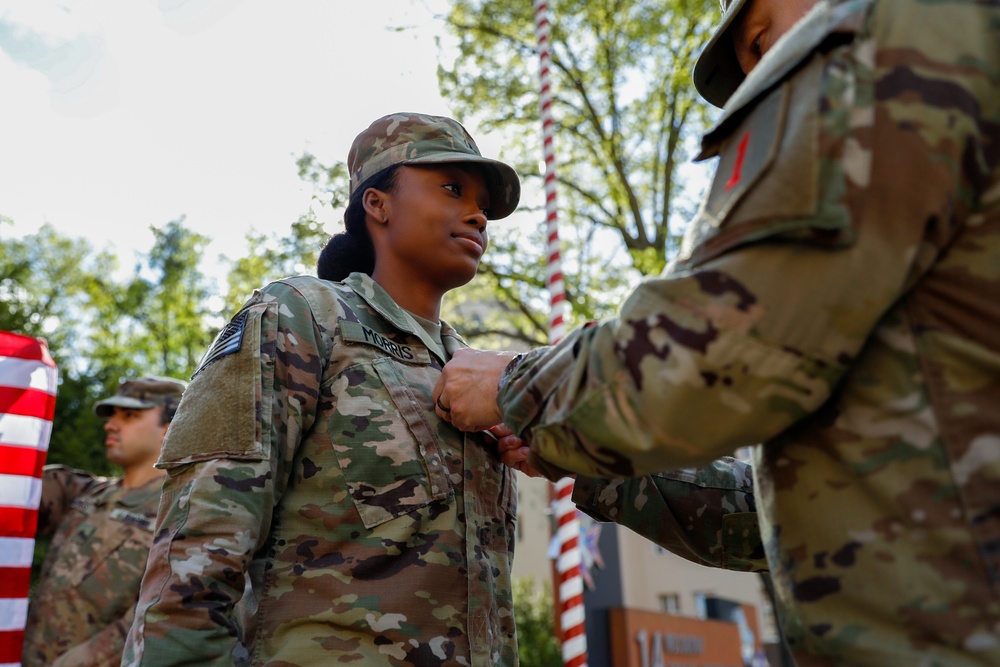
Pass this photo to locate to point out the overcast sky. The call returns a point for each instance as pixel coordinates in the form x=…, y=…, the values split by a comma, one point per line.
x=116, y=115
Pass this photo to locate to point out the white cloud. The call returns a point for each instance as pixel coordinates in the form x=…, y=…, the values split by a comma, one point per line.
x=53, y=21
x=122, y=115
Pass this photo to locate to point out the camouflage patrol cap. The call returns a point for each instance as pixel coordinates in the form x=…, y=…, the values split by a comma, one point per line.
x=717, y=72
x=415, y=138
x=143, y=393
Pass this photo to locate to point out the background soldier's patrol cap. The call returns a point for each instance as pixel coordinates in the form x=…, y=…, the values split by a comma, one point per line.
x=143, y=393
x=414, y=138
x=717, y=72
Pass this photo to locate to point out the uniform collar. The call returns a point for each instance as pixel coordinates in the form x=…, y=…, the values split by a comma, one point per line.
x=139, y=496
x=384, y=305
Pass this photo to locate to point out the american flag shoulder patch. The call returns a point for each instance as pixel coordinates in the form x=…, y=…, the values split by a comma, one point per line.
x=229, y=340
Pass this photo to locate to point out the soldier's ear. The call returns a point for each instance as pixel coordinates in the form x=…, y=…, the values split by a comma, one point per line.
x=375, y=203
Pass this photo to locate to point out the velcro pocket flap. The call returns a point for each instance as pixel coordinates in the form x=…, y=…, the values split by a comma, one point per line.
x=218, y=414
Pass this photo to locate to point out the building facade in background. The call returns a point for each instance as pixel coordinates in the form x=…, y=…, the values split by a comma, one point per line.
x=649, y=607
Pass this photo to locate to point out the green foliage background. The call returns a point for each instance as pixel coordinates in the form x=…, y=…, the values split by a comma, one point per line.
x=537, y=645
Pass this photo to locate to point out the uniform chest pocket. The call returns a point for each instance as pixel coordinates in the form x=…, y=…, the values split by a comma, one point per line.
x=106, y=556
x=387, y=449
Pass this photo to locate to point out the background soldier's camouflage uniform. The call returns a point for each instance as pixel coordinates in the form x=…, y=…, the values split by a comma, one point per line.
x=306, y=451
x=838, y=298
x=84, y=603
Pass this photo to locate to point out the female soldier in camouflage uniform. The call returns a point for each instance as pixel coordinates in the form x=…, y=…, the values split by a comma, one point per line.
x=317, y=510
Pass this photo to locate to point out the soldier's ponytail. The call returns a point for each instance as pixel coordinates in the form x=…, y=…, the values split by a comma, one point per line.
x=344, y=254
x=352, y=250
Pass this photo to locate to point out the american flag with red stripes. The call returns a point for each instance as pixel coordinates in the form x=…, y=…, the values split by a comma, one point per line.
x=28, y=379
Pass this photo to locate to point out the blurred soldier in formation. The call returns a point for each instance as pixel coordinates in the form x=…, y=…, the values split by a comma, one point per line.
x=101, y=530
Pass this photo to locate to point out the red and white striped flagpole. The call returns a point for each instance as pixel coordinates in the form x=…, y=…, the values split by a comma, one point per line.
x=570, y=583
x=553, y=274
x=28, y=379
x=571, y=611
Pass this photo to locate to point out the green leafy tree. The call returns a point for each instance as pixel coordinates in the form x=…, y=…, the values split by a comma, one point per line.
x=111, y=352
x=101, y=329
x=626, y=119
x=154, y=322
x=44, y=281
x=537, y=645
x=175, y=310
x=272, y=257
x=275, y=256
x=41, y=277
x=330, y=183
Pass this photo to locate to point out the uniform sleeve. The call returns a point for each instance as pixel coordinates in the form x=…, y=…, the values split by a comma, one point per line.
x=706, y=515
x=811, y=230
x=60, y=485
x=227, y=454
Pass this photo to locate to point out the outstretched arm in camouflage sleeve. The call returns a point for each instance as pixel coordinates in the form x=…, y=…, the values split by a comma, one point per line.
x=707, y=515
x=226, y=452
x=700, y=361
x=60, y=486
x=810, y=233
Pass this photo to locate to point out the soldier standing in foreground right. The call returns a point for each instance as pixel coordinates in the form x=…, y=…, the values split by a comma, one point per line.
x=836, y=299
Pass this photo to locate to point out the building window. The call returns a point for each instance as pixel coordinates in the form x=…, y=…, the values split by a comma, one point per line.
x=701, y=603
x=670, y=603
x=769, y=622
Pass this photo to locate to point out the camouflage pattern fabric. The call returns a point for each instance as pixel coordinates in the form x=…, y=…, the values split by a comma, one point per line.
x=317, y=511
x=706, y=515
x=836, y=304
x=415, y=139
x=84, y=602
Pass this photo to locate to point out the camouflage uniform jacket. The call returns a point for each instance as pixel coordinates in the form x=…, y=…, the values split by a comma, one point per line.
x=306, y=453
x=837, y=300
x=84, y=602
